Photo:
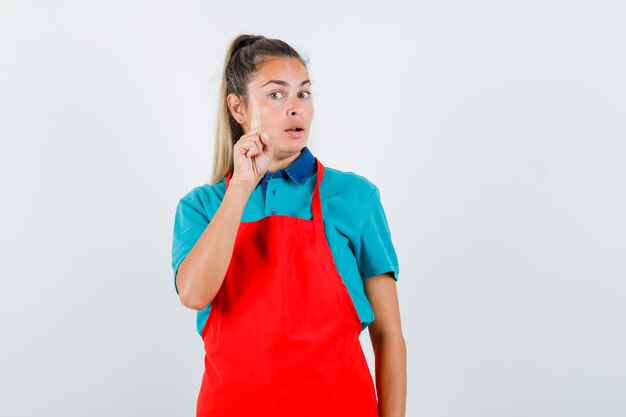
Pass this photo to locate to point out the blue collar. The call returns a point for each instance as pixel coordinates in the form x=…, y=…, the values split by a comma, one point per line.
x=299, y=170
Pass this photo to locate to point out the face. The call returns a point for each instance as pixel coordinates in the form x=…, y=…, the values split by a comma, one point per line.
x=280, y=99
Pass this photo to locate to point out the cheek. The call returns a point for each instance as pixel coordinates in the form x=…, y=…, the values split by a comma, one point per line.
x=268, y=114
x=271, y=119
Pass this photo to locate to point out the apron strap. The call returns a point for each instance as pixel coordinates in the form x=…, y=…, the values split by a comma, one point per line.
x=230, y=174
x=316, y=204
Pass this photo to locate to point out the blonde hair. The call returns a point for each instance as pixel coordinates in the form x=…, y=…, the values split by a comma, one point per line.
x=245, y=55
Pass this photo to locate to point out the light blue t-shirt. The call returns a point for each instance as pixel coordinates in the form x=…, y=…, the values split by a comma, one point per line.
x=354, y=220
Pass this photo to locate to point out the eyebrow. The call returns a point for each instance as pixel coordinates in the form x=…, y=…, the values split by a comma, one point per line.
x=286, y=84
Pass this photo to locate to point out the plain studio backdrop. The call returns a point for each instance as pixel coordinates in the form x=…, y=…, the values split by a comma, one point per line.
x=494, y=130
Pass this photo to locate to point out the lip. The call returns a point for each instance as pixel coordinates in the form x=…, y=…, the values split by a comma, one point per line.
x=295, y=134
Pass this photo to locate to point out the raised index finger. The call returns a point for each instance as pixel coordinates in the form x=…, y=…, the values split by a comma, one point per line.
x=255, y=119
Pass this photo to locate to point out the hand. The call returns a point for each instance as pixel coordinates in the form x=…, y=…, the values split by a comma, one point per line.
x=252, y=153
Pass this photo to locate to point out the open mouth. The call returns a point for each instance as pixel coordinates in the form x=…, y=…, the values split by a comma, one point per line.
x=295, y=132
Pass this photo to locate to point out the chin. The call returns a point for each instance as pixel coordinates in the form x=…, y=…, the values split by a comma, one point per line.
x=292, y=144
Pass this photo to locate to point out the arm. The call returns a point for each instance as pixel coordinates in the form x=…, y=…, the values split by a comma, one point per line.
x=201, y=273
x=388, y=344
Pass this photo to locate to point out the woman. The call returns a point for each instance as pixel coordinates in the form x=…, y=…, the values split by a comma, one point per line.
x=286, y=260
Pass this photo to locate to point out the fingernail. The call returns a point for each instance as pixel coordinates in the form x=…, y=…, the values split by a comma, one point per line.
x=265, y=135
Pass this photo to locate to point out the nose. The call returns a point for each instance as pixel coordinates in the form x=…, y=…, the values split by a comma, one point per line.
x=294, y=108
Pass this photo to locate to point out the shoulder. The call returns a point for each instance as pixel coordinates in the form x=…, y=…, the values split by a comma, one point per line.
x=204, y=198
x=348, y=184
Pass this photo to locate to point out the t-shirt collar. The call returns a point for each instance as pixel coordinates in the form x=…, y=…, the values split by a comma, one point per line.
x=299, y=170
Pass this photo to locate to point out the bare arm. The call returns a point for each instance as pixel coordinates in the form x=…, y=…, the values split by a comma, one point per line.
x=389, y=346
x=202, y=272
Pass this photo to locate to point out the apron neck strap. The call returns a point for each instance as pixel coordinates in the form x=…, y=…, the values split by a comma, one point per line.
x=316, y=204
x=230, y=174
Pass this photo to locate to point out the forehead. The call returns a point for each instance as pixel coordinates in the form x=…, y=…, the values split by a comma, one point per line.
x=286, y=69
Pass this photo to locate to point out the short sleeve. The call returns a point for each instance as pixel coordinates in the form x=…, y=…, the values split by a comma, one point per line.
x=374, y=250
x=189, y=223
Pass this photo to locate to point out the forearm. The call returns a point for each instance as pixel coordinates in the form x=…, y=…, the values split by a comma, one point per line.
x=390, y=364
x=201, y=274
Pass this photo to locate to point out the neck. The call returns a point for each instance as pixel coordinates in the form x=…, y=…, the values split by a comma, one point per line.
x=282, y=162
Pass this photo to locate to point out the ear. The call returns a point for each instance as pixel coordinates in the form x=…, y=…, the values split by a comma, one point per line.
x=236, y=107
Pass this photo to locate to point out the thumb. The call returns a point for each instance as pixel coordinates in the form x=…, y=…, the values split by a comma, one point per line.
x=265, y=137
x=269, y=144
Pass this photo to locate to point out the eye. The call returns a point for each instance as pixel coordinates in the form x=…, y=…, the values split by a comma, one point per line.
x=274, y=93
x=307, y=92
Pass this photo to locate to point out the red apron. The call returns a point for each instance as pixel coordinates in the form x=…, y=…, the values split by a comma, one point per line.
x=282, y=335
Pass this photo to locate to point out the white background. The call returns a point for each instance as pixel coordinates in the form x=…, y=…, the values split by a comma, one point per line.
x=494, y=130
